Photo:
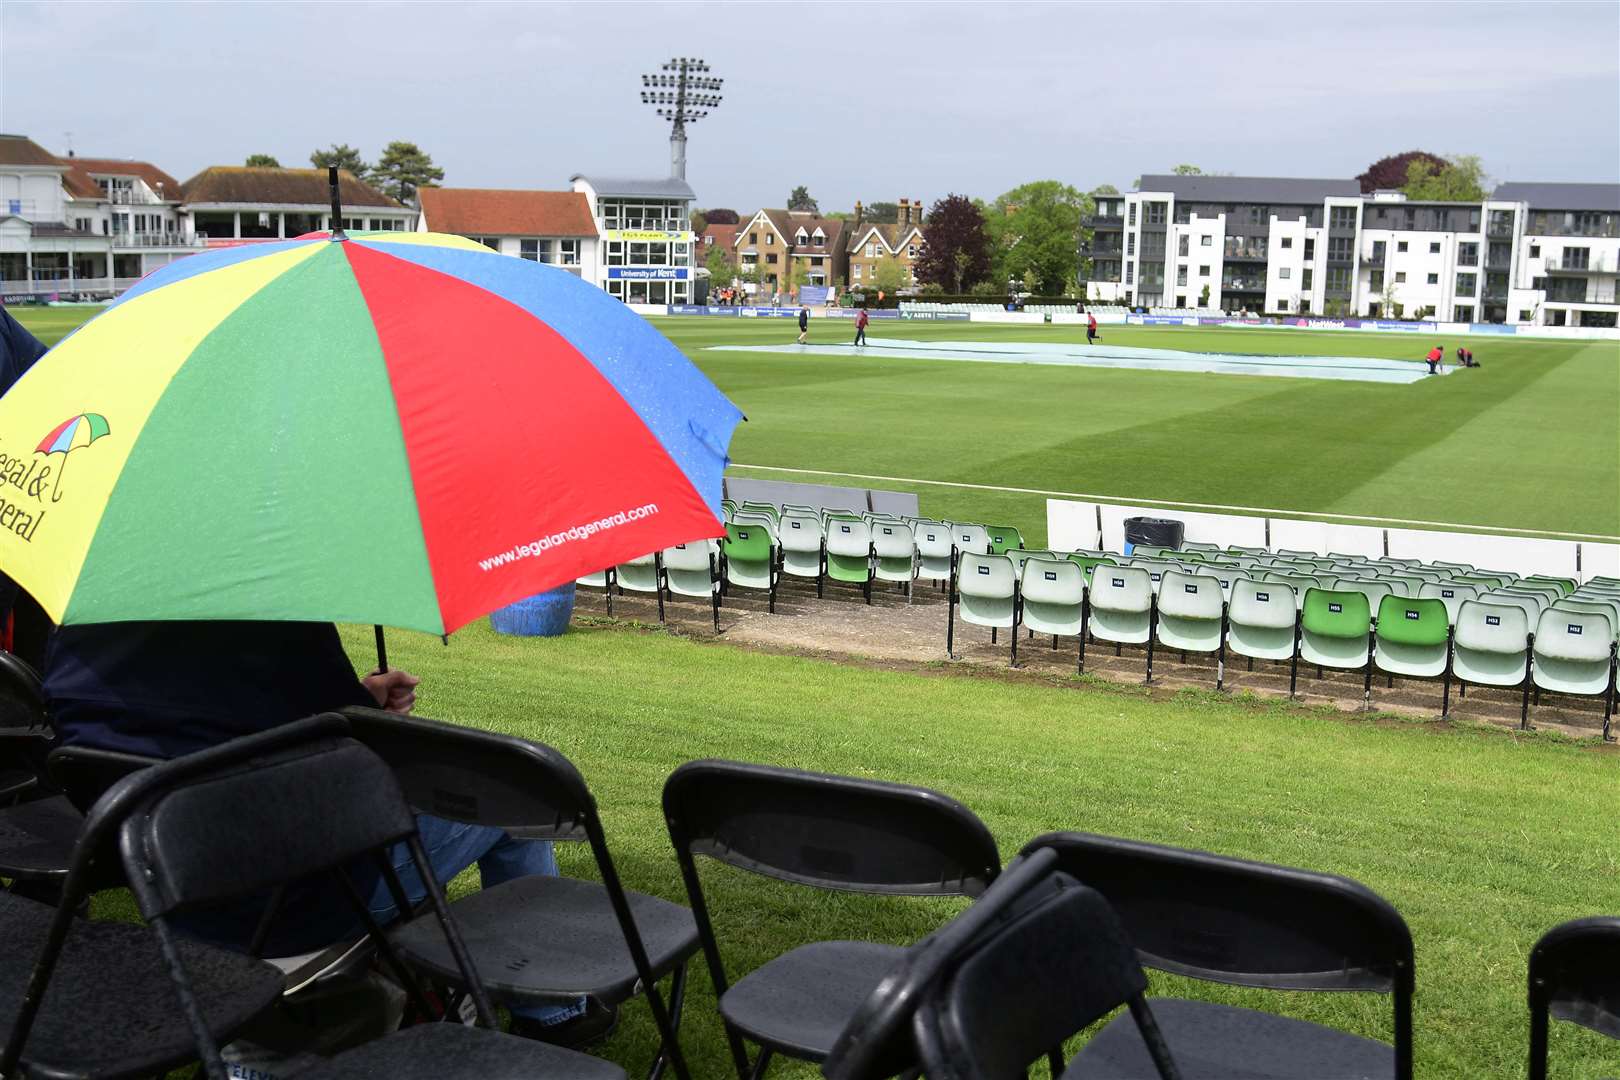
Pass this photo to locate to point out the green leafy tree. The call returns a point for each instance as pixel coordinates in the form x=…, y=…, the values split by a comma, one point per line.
x=1203, y=297
x=1034, y=232
x=890, y=277
x=699, y=221
x=1462, y=179
x=801, y=200
x=1187, y=170
x=721, y=271
x=403, y=168
x=262, y=161
x=343, y=156
x=1105, y=189
x=881, y=213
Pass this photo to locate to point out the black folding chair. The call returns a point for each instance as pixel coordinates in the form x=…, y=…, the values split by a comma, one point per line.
x=1053, y=967
x=537, y=939
x=878, y=1041
x=827, y=832
x=261, y=812
x=25, y=734
x=81, y=999
x=1574, y=976
x=1245, y=924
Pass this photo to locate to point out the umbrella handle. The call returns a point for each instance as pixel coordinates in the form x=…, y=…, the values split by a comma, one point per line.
x=382, y=650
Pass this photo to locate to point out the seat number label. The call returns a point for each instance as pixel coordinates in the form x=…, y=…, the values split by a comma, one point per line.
x=1574, y=628
x=1448, y=594
x=1493, y=620
x=1263, y=597
x=1049, y=575
x=984, y=570
x=1336, y=608
x=1119, y=582
x=1410, y=614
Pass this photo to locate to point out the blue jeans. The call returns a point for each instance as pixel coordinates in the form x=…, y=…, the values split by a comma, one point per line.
x=451, y=847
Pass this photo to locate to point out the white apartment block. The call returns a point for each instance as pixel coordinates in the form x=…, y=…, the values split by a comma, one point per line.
x=1540, y=254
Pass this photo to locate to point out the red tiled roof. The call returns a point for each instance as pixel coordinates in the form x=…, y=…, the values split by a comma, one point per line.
x=293, y=187
x=81, y=182
x=723, y=235
x=21, y=150
x=496, y=212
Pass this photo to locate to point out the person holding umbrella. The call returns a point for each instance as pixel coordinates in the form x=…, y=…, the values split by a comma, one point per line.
x=352, y=475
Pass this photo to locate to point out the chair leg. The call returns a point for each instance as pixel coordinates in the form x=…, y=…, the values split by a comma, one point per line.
x=677, y=998
x=950, y=626
x=992, y=635
x=760, y=1064
x=1366, y=686
x=1220, y=659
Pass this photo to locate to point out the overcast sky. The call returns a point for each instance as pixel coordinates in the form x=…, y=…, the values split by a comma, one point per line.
x=871, y=101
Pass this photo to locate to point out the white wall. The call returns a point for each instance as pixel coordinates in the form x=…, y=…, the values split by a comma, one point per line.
x=1071, y=525
x=1223, y=529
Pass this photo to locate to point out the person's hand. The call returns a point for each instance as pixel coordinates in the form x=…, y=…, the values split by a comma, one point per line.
x=395, y=690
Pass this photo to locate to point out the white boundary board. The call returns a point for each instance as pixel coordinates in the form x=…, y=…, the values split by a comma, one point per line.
x=1071, y=525
x=1600, y=560
x=1226, y=530
x=1519, y=554
x=1324, y=537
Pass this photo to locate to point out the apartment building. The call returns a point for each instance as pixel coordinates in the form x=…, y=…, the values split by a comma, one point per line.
x=647, y=240
x=552, y=227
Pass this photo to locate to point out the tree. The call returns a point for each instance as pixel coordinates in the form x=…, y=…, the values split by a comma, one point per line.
x=721, y=271
x=1187, y=170
x=1203, y=297
x=403, y=168
x=956, y=250
x=801, y=200
x=1035, y=233
x=1459, y=179
x=343, y=156
x=262, y=161
x=1105, y=189
x=890, y=277
x=698, y=220
x=882, y=213
x=720, y=215
x=1389, y=173
x=1389, y=306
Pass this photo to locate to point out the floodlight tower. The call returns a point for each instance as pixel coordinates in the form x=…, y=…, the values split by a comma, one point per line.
x=683, y=93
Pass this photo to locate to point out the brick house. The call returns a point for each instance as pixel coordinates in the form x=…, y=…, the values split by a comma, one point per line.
x=775, y=238
x=871, y=244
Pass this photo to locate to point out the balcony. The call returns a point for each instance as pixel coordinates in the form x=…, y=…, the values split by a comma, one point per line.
x=1244, y=285
x=123, y=197
x=1103, y=221
x=156, y=240
x=1565, y=267
x=1249, y=255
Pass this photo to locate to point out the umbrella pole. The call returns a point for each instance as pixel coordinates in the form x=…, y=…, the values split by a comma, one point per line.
x=336, y=231
x=382, y=650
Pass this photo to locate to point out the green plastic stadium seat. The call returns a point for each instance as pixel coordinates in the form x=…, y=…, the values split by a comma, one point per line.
x=1003, y=538
x=750, y=558
x=1565, y=586
x=1190, y=545
x=1053, y=591
x=1374, y=590
x=1601, y=605
x=770, y=510
x=1156, y=569
x=644, y=574
x=1261, y=619
x=1296, y=582
x=803, y=550
x=1087, y=562
x=1491, y=647
x=970, y=538
x=1122, y=605
x=744, y=516
x=1335, y=631
x=849, y=553
x=691, y=569
x=1575, y=654
x=894, y=551
x=1413, y=640
x=1192, y=616
x=933, y=551
x=1450, y=593
x=987, y=592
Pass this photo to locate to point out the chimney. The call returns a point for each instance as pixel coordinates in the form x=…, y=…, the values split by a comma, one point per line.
x=858, y=211
x=916, y=211
x=904, y=215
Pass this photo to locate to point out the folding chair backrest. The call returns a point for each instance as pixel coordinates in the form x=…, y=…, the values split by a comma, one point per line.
x=235, y=824
x=1190, y=596
x=22, y=699
x=1335, y=614
x=1565, y=586
x=1088, y=563
x=479, y=777
x=1601, y=606
x=764, y=522
x=893, y=540
x=1051, y=967
x=748, y=542
x=989, y=576
x=830, y=832
x=849, y=538
x=1574, y=976
x=1269, y=604
x=1046, y=580
x=1581, y=636
x=1419, y=622
x=695, y=556
x=934, y=540
x=970, y=538
x=1121, y=588
x=1242, y=923
x=1004, y=538
x=800, y=532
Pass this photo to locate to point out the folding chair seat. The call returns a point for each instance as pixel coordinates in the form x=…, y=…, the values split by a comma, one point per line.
x=1483, y=582
x=303, y=800
x=533, y=939
x=1277, y=928
x=1122, y=608
x=1450, y=593
x=1335, y=631
x=1491, y=647
x=749, y=558
x=802, y=546
x=849, y=554
x=1058, y=960
x=894, y=554
x=1412, y=639
x=1575, y=977
x=935, y=551
x=1192, y=617
x=1458, y=567
x=1053, y=591
x=987, y=592
x=825, y=832
x=1574, y=653
x=970, y=538
x=644, y=574
x=692, y=569
x=1003, y=538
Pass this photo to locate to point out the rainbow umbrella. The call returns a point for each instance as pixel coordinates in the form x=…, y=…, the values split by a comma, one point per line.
x=396, y=428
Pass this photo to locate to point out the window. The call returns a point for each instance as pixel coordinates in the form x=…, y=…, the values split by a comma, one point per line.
x=1400, y=276
x=1468, y=254
x=820, y=238
x=615, y=253
x=1339, y=248
x=1282, y=305
x=1133, y=214
x=1203, y=270
x=491, y=242
x=1535, y=251
x=1434, y=247
x=753, y=239
x=1206, y=241
x=1465, y=284
x=1285, y=273
x=1310, y=248
x=1257, y=215
x=871, y=250
x=911, y=251
x=771, y=258
x=529, y=249
x=1130, y=273
x=1181, y=245
x=1181, y=275
x=1400, y=245
x=1130, y=244
x=567, y=251
x=1288, y=241
x=1434, y=279
x=1376, y=284
x=770, y=239
x=1338, y=279
x=1305, y=279
x=801, y=236
x=1342, y=217
x=856, y=272
x=1155, y=213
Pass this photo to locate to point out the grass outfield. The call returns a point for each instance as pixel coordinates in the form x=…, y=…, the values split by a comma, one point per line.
x=1531, y=440
x=1482, y=839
